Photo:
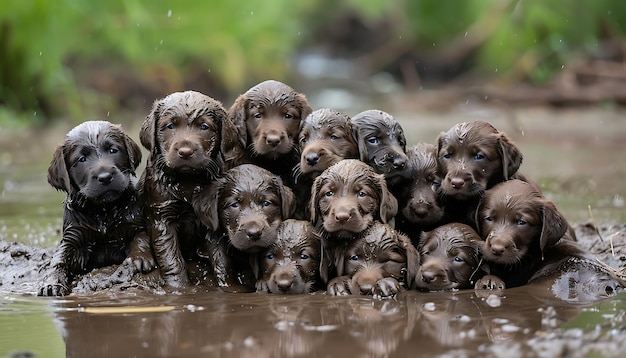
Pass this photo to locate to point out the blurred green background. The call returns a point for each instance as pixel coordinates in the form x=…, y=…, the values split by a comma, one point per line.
x=77, y=58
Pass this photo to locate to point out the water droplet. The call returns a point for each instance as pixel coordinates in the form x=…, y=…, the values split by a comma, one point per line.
x=251, y=12
x=169, y=13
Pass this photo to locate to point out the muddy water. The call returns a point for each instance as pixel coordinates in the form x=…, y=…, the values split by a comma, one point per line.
x=577, y=156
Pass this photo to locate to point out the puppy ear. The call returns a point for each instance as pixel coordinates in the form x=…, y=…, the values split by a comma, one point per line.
x=326, y=262
x=553, y=226
x=388, y=202
x=313, y=207
x=148, y=128
x=58, y=175
x=339, y=254
x=255, y=264
x=237, y=118
x=412, y=259
x=510, y=154
x=305, y=109
x=134, y=152
x=287, y=197
x=205, y=204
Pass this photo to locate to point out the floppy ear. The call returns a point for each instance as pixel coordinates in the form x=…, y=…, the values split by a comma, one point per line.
x=412, y=260
x=305, y=109
x=553, y=225
x=255, y=263
x=440, y=142
x=237, y=116
x=510, y=154
x=388, y=202
x=134, y=152
x=287, y=197
x=313, y=207
x=339, y=254
x=58, y=176
x=206, y=204
x=326, y=262
x=233, y=142
x=148, y=128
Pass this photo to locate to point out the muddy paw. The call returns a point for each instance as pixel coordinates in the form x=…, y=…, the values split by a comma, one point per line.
x=56, y=284
x=386, y=288
x=262, y=286
x=490, y=282
x=340, y=286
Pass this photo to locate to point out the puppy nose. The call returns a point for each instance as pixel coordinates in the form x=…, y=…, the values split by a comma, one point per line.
x=284, y=284
x=272, y=140
x=497, y=249
x=366, y=288
x=457, y=182
x=399, y=163
x=254, y=233
x=342, y=216
x=185, y=152
x=428, y=276
x=105, y=178
x=312, y=158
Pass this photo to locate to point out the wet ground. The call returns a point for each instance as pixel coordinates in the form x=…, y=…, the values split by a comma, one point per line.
x=576, y=155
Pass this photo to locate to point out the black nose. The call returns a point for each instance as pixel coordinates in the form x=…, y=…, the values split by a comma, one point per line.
x=284, y=284
x=399, y=163
x=457, y=182
x=185, y=152
x=105, y=178
x=254, y=233
x=312, y=158
x=428, y=276
x=272, y=140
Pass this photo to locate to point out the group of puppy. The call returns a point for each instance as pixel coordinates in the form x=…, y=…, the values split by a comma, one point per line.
x=276, y=196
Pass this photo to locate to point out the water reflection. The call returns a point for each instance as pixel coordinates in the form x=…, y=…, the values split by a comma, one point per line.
x=258, y=325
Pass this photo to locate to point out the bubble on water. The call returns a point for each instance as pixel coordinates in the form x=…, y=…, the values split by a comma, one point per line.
x=429, y=306
x=494, y=300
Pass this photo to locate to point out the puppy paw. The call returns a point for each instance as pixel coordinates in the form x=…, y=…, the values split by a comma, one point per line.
x=386, y=288
x=490, y=282
x=340, y=286
x=56, y=284
x=140, y=254
x=262, y=286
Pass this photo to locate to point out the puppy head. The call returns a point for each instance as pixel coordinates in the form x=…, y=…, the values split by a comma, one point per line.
x=348, y=197
x=382, y=144
x=380, y=253
x=474, y=156
x=189, y=133
x=268, y=119
x=252, y=203
x=95, y=161
x=449, y=257
x=420, y=201
x=515, y=220
x=291, y=264
x=326, y=137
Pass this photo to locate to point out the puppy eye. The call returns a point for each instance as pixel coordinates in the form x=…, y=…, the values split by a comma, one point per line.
x=270, y=256
x=362, y=194
x=458, y=259
x=354, y=257
x=329, y=193
x=304, y=256
x=113, y=150
x=204, y=126
x=82, y=159
x=426, y=253
x=258, y=115
x=234, y=205
x=447, y=156
x=436, y=183
x=521, y=222
x=303, y=140
x=267, y=203
x=170, y=126
x=372, y=140
x=333, y=137
x=488, y=218
x=288, y=116
x=479, y=156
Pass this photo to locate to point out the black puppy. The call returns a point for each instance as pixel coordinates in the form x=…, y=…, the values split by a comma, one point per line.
x=103, y=220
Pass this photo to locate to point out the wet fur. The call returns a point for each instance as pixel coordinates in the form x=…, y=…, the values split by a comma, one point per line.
x=291, y=264
x=102, y=219
x=449, y=258
x=190, y=140
x=381, y=262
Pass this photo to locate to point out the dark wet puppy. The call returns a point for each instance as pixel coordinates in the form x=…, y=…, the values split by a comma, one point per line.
x=523, y=231
x=348, y=198
x=242, y=210
x=189, y=138
x=381, y=262
x=382, y=145
x=420, y=203
x=268, y=118
x=450, y=258
x=291, y=264
x=103, y=219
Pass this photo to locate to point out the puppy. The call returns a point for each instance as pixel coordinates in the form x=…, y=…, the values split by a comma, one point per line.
x=268, y=118
x=420, y=203
x=381, y=262
x=102, y=219
x=382, y=145
x=291, y=264
x=243, y=209
x=523, y=231
x=450, y=258
x=190, y=139
x=348, y=197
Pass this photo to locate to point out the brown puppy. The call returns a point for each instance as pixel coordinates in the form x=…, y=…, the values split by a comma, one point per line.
x=348, y=197
x=243, y=209
x=189, y=138
x=381, y=262
x=473, y=157
x=523, y=231
x=103, y=219
x=268, y=120
x=291, y=264
x=450, y=258
x=382, y=145
x=420, y=201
